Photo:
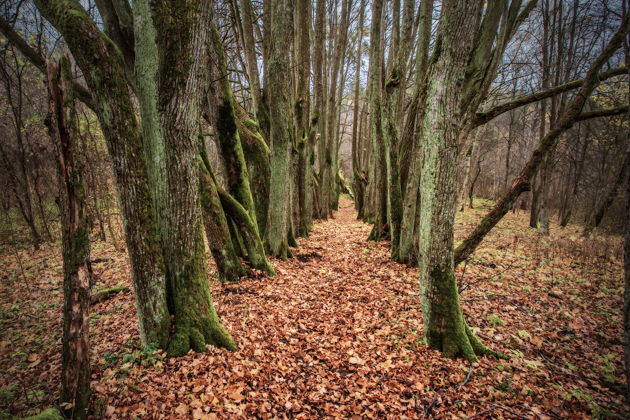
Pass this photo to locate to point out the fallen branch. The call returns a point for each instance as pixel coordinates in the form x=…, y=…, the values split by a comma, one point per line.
x=108, y=293
x=100, y=260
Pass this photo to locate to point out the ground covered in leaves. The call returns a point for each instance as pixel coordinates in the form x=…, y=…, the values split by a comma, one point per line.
x=338, y=333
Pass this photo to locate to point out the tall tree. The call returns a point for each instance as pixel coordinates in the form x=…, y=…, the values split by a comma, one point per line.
x=378, y=163
x=304, y=134
x=280, y=118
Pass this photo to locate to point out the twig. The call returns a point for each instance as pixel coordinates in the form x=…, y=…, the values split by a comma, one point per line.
x=494, y=407
x=428, y=408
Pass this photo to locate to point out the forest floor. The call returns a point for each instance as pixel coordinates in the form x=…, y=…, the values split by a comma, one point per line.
x=338, y=333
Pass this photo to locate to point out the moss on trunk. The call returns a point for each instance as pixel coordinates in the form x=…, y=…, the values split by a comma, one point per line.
x=196, y=321
x=217, y=230
x=258, y=166
x=222, y=116
x=246, y=231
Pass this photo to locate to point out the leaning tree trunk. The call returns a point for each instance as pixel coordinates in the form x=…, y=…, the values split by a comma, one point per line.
x=222, y=117
x=280, y=120
x=61, y=122
x=216, y=226
x=521, y=183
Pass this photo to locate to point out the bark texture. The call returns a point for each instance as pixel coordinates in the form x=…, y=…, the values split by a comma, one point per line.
x=77, y=279
x=280, y=119
x=103, y=68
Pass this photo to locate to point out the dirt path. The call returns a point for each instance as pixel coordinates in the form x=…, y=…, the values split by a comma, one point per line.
x=337, y=333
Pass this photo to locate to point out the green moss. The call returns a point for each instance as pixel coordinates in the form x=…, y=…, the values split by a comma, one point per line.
x=179, y=345
x=445, y=328
x=48, y=414
x=251, y=124
x=197, y=340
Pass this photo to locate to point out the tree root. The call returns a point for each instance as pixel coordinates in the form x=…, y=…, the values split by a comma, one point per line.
x=481, y=349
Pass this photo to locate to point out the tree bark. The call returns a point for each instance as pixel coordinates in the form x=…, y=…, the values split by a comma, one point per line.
x=358, y=175
x=102, y=66
x=181, y=80
x=393, y=96
x=379, y=173
x=444, y=324
x=280, y=120
x=302, y=120
x=249, y=45
x=77, y=279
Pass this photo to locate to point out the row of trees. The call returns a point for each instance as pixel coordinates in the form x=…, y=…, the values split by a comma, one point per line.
x=269, y=84
x=413, y=157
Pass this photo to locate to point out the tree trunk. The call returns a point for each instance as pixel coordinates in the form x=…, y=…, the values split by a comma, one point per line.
x=181, y=63
x=319, y=111
x=103, y=67
x=393, y=96
x=249, y=45
x=379, y=172
x=358, y=176
x=302, y=120
x=444, y=324
x=410, y=159
x=280, y=119
x=216, y=226
x=77, y=279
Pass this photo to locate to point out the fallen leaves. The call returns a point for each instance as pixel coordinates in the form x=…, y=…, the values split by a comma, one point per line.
x=338, y=333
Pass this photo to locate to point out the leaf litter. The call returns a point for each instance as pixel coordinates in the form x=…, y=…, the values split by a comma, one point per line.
x=337, y=333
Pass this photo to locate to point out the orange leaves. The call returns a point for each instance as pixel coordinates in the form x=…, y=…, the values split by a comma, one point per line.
x=338, y=333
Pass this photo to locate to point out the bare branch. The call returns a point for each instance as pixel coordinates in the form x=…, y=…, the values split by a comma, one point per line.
x=484, y=117
x=83, y=94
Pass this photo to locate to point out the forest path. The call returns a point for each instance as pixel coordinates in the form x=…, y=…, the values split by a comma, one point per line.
x=337, y=333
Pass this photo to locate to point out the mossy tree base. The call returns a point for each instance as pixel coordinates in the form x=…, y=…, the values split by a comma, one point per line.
x=197, y=323
x=444, y=324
